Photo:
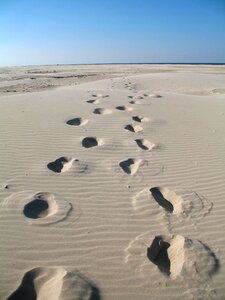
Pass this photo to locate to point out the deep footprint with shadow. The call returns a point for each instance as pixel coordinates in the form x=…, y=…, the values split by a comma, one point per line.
x=89, y=142
x=123, y=108
x=42, y=205
x=168, y=199
x=77, y=122
x=139, y=119
x=175, y=254
x=145, y=144
x=133, y=128
x=130, y=166
x=167, y=253
x=159, y=198
x=92, y=101
x=61, y=164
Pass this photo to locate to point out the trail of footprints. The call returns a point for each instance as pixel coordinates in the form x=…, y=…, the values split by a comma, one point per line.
x=173, y=255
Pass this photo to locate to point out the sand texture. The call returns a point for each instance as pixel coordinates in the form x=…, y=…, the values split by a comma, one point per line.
x=112, y=182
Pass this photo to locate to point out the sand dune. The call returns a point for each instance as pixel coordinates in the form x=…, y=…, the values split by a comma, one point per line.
x=112, y=187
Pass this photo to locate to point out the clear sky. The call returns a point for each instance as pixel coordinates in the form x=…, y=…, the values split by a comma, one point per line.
x=98, y=31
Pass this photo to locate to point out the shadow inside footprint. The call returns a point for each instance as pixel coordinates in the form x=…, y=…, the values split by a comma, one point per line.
x=159, y=198
x=137, y=119
x=129, y=127
x=157, y=253
x=36, y=209
x=75, y=122
x=89, y=142
x=58, y=164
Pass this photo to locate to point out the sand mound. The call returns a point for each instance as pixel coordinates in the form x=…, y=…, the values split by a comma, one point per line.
x=44, y=283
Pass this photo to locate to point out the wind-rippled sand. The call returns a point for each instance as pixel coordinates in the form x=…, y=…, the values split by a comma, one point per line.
x=113, y=187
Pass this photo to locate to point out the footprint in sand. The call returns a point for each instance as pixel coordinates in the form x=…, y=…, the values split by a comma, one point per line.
x=131, y=165
x=93, y=101
x=152, y=95
x=134, y=102
x=136, y=97
x=64, y=164
x=167, y=199
x=102, y=111
x=89, y=142
x=100, y=95
x=77, y=122
x=133, y=128
x=145, y=144
x=39, y=208
x=54, y=284
x=124, y=108
x=179, y=203
x=140, y=119
x=174, y=256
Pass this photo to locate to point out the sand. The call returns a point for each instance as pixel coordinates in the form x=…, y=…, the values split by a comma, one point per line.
x=112, y=182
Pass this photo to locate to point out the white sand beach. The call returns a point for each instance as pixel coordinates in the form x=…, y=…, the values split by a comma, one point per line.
x=112, y=182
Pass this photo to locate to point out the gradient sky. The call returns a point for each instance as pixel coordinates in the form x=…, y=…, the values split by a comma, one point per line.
x=36, y=32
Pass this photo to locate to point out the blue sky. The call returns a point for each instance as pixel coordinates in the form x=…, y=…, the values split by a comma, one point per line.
x=36, y=32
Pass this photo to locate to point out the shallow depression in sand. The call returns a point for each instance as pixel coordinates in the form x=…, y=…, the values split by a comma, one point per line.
x=102, y=111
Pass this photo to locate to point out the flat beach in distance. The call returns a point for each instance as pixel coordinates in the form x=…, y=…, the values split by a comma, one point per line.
x=112, y=182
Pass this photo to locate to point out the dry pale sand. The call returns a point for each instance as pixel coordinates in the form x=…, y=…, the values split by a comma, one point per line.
x=113, y=187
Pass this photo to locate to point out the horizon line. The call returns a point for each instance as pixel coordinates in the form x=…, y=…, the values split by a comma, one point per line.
x=118, y=63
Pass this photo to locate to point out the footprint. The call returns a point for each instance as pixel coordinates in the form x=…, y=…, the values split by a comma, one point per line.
x=154, y=96
x=42, y=205
x=133, y=128
x=89, y=142
x=92, y=101
x=135, y=97
x=44, y=283
x=100, y=95
x=39, y=208
x=134, y=102
x=130, y=166
x=124, y=108
x=167, y=199
x=140, y=119
x=77, y=122
x=145, y=144
x=61, y=164
x=180, y=203
x=102, y=111
x=175, y=256
x=168, y=254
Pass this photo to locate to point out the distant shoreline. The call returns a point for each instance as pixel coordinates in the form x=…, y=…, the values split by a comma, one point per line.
x=94, y=64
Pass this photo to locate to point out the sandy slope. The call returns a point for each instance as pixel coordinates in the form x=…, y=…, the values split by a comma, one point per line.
x=114, y=188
